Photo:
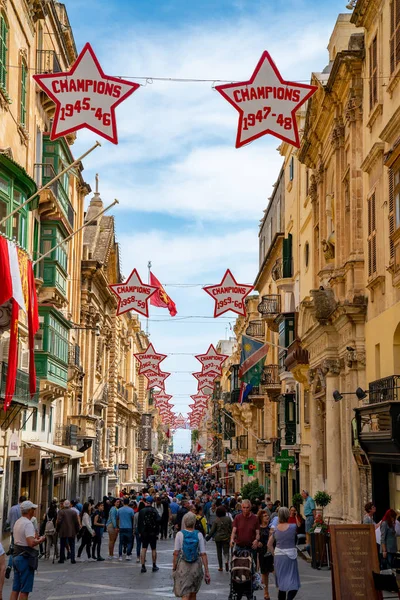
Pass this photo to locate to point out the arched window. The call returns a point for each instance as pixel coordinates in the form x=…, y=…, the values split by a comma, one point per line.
x=3, y=51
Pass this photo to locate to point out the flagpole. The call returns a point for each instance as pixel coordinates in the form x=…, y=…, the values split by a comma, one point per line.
x=148, y=281
x=245, y=428
x=50, y=183
x=75, y=232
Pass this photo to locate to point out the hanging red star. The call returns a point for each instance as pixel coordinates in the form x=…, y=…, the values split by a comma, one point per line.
x=212, y=361
x=85, y=97
x=229, y=295
x=133, y=295
x=267, y=104
x=150, y=360
x=206, y=381
x=157, y=380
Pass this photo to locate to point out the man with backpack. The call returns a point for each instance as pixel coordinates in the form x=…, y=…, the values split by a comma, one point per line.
x=148, y=527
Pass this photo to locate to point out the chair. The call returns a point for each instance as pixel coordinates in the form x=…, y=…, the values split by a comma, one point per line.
x=386, y=583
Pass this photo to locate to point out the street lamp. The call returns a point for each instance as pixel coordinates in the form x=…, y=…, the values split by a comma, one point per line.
x=360, y=393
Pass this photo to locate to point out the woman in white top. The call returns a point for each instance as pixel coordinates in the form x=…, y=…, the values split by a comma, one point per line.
x=87, y=532
x=189, y=559
x=2, y=569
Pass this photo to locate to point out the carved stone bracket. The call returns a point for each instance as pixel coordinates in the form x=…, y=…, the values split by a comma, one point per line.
x=337, y=135
x=331, y=366
x=313, y=189
x=353, y=109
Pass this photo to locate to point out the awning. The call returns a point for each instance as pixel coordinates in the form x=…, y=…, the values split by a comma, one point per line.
x=53, y=449
x=214, y=465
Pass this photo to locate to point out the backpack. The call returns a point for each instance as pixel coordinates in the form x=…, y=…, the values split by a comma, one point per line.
x=150, y=525
x=199, y=526
x=49, y=528
x=190, y=546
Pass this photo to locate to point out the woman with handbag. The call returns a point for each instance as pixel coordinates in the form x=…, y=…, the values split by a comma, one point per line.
x=265, y=557
x=50, y=530
x=221, y=532
x=86, y=533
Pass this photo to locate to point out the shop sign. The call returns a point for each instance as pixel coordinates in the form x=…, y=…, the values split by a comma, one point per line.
x=250, y=466
x=285, y=460
x=231, y=467
x=123, y=467
x=146, y=432
x=238, y=467
x=354, y=559
x=13, y=445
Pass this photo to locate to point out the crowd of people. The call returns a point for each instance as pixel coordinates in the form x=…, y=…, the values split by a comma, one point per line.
x=184, y=502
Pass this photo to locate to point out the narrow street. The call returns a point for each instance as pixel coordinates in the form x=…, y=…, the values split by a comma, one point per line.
x=90, y=581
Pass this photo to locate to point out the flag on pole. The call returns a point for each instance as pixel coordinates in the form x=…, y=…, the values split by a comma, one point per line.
x=252, y=360
x=33, y=327
x=161, y=298
x=199, y=448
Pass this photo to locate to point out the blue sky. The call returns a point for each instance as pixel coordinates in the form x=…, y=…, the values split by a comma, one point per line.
x=189, y=201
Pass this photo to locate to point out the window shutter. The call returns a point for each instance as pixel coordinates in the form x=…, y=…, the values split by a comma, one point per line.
x=287, y=256
x=391, y=212
x=372, y=235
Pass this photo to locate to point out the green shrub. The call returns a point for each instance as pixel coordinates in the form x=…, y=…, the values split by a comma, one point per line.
x=322, y=499
x=297, y=500
x=252, y=490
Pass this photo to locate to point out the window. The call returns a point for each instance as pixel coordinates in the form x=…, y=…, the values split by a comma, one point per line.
x=306, y=396
x=11, y=197
x=24, y=413
x=34, y=420
x=307, y=254
x=291, y=166
x=116, y=435
x=394, y=34
x=23, y=93
x=371, y=235
x=51, y=419
x=287, y=256
x=373, y=73
x=44, y=417
x=3, y=52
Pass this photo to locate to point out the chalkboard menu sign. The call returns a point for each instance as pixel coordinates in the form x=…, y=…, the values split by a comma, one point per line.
x=354, y=558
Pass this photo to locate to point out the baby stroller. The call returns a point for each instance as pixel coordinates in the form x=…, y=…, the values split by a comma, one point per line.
x=242, y=573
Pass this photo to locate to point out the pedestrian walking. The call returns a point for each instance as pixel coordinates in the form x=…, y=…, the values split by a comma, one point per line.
x=99, y=524
x=13, y=515
x=165, y=518
x=189, y=560
x=246, y=528
x=125, y=525
x=148, y=527
x=50, y=530
x=2, y=569
x=86, y=533
x=221, y=532
x=265, y=557
x=388, y=539
x=112, y=526
x=25, y=555
x=285, y=556
x=137, y=534
x=67, y=526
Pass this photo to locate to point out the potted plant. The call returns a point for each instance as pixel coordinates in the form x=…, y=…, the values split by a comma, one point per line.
x=322, y=499
x=297, y=501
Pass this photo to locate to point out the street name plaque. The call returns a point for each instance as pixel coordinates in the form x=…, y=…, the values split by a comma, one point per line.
x=354, y=558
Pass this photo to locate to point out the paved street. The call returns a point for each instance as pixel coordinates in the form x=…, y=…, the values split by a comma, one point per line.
x=95, y=581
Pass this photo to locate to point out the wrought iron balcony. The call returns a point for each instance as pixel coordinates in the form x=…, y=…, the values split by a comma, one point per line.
x=276, y=446
x=384, y=390
x=290, y=434
x=47, y=62
x=74, y=355
x=270, y=306
x=21, y=394
x=270, y=377
x=256, y=329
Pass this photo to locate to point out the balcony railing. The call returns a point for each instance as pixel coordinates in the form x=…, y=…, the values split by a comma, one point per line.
x=74, y=355
x=270, y=377
x=384, y=390
x=290, y=434
x=21, y=394
x=270, y=306
x=47, y=62
x=256, y=329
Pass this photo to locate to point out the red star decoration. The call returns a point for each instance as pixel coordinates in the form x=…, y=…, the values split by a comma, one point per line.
x=133, y=295
x=98, y=96
x=212, y=361
x=157, y=380
x=162, y=399
x=267, y=103
x=206, y=381
x=199, y=400
x=229, y=295
x=150, y=360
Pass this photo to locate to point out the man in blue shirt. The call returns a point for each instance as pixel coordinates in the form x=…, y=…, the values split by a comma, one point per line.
x=309, y=513
x=125, y=523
